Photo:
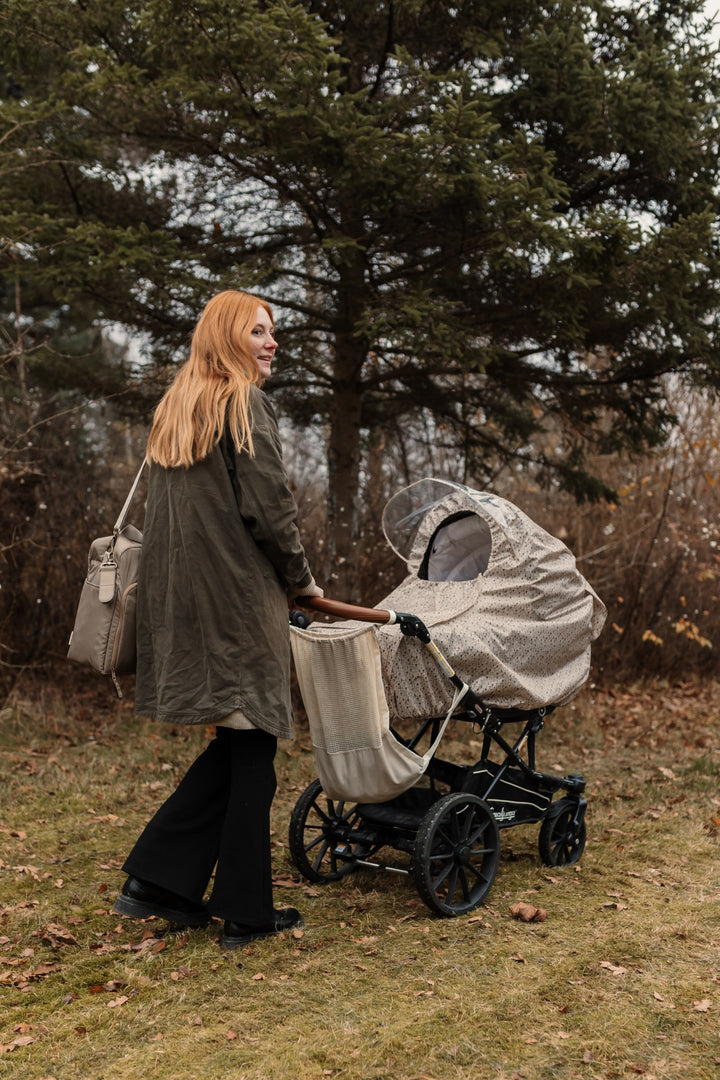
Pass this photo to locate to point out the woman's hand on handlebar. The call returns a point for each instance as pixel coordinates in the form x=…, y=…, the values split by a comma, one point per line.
x=310, y=590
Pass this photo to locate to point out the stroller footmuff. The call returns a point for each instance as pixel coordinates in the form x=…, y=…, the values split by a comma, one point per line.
x=379, y=790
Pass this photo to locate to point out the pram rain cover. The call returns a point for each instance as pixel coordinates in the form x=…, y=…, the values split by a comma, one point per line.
x=518, y=632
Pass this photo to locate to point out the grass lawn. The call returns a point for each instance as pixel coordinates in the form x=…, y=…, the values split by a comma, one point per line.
x=621, y=980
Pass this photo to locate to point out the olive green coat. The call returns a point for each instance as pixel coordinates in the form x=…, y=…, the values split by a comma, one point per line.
x=220, y=553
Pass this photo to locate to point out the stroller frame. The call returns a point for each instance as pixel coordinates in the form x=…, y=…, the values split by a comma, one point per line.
x=451, y=827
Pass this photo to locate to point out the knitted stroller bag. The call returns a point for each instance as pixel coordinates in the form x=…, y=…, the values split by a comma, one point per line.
x=358, y=757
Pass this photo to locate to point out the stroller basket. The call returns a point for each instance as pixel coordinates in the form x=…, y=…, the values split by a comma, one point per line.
x=357, y=754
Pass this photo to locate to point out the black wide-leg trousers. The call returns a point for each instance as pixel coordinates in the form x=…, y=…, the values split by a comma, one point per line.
x=217, y=817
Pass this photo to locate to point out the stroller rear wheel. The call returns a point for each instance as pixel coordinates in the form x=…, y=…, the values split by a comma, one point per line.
x=323, y=841
x=563, y=833
x=456, y=854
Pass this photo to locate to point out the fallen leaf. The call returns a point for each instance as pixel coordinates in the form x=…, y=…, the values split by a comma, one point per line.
x=702, y=1006
x=182, y=973
x=231, y=1035
x=286, y=882
x=57, y=935
x=45, y=968
x=528, y=913
x=615, y=969
x=22, y=1040
x=259, y=977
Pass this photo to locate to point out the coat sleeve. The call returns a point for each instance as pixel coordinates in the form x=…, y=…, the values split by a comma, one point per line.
x=265, y=501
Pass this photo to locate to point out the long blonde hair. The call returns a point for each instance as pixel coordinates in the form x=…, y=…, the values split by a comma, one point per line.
x=212, y=385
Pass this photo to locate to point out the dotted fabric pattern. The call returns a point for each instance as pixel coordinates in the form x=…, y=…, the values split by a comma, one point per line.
x=520, y=634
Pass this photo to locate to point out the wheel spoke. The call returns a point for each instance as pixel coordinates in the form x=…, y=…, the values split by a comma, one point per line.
x=482, y=876
x=444, y=837
x=325, y=816
x=480, y=851
x=314, y=843
x=320, y=856
x=452, y=885
x=478, y=832
x=447, y=869
x=464, y=883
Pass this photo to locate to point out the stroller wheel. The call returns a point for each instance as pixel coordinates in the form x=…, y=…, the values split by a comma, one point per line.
x=456, y=854
x=323, y=841
x=563, y=833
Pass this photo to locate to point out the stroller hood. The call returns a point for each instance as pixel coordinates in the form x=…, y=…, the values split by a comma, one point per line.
x=502, y=598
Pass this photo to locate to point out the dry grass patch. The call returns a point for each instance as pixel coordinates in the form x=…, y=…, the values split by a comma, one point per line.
x=621, y=980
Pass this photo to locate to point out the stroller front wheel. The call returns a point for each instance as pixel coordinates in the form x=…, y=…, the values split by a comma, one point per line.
x=563, y=833
x=323, y=839
x=456, y=854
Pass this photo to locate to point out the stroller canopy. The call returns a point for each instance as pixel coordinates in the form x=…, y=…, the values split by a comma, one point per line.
x=502, y=598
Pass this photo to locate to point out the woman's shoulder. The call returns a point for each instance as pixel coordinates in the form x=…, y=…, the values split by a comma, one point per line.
x=261, y=407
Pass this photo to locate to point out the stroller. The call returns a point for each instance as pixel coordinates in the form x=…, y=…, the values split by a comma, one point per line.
x=505, y=601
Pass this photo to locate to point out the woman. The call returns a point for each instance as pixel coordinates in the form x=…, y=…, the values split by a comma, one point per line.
x=221, y=557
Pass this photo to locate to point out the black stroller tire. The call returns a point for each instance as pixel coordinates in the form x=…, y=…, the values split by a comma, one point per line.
x=320, y=837
x=563, y=833
x=456, y=854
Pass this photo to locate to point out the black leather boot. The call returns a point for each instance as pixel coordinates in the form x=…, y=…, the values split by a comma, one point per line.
x=142, y=900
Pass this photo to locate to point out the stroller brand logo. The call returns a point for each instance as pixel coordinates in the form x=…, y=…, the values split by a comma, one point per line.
x=504, y=815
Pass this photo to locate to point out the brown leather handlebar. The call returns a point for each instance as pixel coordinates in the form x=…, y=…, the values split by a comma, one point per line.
x=342, y=611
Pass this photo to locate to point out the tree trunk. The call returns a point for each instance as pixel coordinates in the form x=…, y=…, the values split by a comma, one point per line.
x=344, y=452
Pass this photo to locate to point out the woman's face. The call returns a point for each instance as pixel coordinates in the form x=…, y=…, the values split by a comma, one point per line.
x=262, y=342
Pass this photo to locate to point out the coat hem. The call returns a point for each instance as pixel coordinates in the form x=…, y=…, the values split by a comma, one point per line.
x=217, y=714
